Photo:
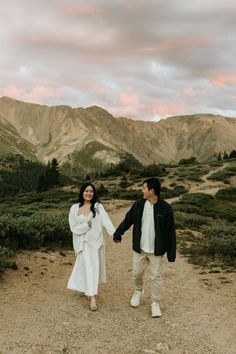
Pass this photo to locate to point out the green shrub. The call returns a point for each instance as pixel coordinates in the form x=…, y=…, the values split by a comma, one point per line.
x=219, y=208
x=221, y=175
x=226, y=194
x=218, y=240
x=186, y=208
x=191, y=221
x=40, y=229
x=17, y=233
x=7, y=258
x=190, y=161
x=171, y=193
x=196, y=199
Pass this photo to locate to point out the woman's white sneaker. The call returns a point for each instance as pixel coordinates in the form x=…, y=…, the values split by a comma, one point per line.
x=136, y=298
x=155, y=309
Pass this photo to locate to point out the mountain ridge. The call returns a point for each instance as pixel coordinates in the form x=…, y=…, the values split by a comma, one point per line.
x=59, y=131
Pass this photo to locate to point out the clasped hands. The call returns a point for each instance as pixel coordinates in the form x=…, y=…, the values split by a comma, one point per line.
x=117, y=239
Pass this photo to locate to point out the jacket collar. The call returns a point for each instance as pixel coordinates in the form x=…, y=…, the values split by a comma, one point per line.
x=141, y=202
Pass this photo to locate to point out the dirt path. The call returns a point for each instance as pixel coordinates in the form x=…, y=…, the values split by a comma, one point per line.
x=208, y=186
x=39, y=315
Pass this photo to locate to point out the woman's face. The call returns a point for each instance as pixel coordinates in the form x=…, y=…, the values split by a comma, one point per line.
x=88, y=194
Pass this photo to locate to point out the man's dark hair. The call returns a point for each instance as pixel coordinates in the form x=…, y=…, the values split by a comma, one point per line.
x=153, y=183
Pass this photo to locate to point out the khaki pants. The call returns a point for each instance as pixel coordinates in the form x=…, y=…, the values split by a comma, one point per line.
x=154, y=263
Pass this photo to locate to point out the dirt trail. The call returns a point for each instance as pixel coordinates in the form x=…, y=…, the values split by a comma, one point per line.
x=39, y=315
x=207, y=186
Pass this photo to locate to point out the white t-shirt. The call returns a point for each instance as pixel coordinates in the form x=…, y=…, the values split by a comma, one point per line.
x=148, y=231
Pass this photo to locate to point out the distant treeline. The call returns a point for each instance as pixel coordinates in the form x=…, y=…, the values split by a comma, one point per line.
x=18, y=174
x=225, y=156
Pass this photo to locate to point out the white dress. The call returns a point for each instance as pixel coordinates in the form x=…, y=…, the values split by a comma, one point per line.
x=89, y=245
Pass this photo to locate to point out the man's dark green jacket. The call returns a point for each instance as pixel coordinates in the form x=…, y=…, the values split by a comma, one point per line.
x=165, y=236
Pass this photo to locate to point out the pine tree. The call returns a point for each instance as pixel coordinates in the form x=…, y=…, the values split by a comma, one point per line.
x=54, y=172
x=232, y=155
x=51, y=178
x=219, y=157
x=225, y=156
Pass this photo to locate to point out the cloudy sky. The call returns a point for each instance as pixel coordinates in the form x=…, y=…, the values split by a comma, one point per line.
x=143, y=59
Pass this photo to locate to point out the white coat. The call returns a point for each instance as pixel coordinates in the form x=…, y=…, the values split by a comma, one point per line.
x=83, y=233
x=89, y=244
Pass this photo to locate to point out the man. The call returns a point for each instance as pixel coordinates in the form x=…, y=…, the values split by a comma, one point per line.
x=153, y=235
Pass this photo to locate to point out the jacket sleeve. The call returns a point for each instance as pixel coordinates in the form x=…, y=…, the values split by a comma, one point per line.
x=106, y=221
x=75, y=227
x=171, y=236
x=125, y=224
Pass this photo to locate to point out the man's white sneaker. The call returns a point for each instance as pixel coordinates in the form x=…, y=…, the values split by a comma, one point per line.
x=136, y=298
x=155, y=308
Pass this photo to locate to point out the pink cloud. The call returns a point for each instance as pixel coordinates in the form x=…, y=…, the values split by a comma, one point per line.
x=184, y=42
x=39, y=94
x=131, y=100
x=42, y=93
x=128, y=105
x=188, y=91
x=12, y=91
x=82, y=10
x=166, y=109
x=223, y=80
x=98, y=89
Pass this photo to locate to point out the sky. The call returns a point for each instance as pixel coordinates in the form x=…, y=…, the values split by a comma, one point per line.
x=140, y=59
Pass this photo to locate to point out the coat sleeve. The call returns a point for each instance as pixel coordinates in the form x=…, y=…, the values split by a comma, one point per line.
x=106, y=221
x=171, y=236
x=125, y=224
x=75, y=227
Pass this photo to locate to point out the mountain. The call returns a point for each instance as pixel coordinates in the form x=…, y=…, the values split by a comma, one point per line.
x=43, y=132
x=12, y=142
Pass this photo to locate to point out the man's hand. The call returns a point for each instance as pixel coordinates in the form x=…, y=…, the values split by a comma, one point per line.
x=117, y=239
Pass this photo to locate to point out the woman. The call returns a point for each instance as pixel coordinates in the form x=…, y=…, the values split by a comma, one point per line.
x=86, y=219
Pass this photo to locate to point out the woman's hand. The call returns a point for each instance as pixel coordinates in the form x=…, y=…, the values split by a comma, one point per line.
x=89, y=224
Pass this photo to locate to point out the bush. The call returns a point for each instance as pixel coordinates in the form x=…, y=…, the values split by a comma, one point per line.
x=186, y=208
x=32, y=232
x=191, y=221
x=6, y=258
x=219, y=240
x=226, y=194
x=221, y=175
x=190, y=161
x=219, y=208
x=171, y=193
x=196, y=199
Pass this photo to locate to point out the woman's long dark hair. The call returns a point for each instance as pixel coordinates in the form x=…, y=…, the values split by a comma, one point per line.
x=93, y=200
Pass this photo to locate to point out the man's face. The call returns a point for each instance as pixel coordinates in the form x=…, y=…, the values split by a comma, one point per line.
x=147, y=193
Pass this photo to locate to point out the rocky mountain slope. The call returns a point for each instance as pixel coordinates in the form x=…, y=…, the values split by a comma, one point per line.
x=46, y=132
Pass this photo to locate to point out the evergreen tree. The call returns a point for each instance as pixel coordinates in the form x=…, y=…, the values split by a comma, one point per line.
x=55, y=172
x=219, y=157
x=51, y=177
x=42, y=185
x=225, y=156
x=232, y=155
